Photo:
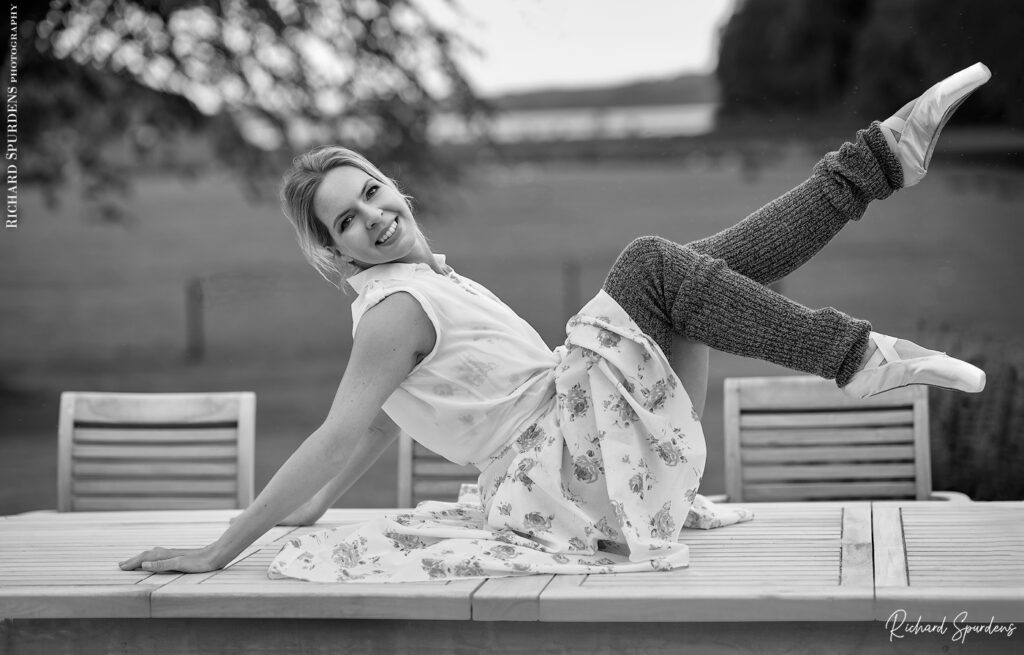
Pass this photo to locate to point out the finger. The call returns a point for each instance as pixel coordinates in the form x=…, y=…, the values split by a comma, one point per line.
x=167, y=564
x=135, y=562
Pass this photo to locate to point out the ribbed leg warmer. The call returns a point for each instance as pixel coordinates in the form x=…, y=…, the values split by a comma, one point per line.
x=712, y=290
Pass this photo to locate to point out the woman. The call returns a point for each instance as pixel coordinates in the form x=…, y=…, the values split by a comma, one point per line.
x=591, y=455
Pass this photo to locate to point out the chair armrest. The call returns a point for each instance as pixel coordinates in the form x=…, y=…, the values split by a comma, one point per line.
x=952, y=496
x=717, y=498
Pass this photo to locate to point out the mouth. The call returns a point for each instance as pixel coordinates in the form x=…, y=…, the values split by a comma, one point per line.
x=388, y=233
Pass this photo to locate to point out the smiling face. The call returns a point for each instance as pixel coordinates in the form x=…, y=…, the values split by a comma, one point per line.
x=368, y=220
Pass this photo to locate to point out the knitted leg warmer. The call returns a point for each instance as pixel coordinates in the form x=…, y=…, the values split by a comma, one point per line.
x=712, y=290
x=784, y=234
x=670, y=289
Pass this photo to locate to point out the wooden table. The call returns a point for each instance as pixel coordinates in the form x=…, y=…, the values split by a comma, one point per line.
x=937, y=560
x=799, y=577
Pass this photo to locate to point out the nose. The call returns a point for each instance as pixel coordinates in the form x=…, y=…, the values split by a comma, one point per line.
x=372, y=216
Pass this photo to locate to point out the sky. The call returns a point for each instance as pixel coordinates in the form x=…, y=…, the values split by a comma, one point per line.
x=530, y=44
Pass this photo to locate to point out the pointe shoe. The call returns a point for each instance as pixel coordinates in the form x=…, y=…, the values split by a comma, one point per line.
x=912, y=134
x=886, y=370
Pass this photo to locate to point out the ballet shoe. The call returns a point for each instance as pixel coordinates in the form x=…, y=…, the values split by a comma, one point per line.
x=913, y=131
x=886, y=370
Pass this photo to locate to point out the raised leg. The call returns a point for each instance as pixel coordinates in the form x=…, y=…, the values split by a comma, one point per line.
x=766, y=246
x=784, y=234
x=669, y=289
x=689, y=359
x=712, y=291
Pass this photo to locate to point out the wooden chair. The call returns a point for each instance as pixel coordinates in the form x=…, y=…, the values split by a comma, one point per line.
x=800, y=438
x=126, y=451
x=425, y=475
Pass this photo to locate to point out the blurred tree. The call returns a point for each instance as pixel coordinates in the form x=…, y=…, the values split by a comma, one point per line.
x=907, y=45
x=109, y=85
x=869, y=57
x=787, y=55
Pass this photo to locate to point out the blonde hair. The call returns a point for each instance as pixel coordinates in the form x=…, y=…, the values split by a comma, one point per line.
x=298, y=188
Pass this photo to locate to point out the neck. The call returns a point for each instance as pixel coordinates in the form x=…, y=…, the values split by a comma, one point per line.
x=422, y=254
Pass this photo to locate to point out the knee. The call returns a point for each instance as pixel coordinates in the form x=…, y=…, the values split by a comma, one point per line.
x=654, y=254
x=642, y=255
x=644, y=248
x=635, y=264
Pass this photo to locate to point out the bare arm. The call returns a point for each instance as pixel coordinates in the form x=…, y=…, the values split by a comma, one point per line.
x=391, y=338
x=382, y=433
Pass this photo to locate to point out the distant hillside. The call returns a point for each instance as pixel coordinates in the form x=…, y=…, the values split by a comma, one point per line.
x=684, y=89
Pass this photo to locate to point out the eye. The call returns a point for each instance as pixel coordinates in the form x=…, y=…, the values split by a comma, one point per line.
x=345, y=222
x=371, y=190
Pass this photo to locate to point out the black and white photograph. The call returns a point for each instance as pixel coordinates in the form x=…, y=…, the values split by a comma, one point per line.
x=512, y=326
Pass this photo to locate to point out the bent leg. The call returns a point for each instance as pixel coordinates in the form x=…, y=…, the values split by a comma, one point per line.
x=669, y=289
x=784, y=234
x=689, y=359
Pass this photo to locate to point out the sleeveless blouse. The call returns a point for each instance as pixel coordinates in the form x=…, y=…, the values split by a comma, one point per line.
x=488, y=374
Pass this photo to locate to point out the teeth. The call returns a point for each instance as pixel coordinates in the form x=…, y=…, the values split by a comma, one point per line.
x=389, y=233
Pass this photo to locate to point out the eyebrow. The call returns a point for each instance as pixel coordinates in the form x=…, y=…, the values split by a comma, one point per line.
x=362, y=192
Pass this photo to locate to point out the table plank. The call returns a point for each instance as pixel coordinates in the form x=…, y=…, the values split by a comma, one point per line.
x=890, y=554
x=31, y=600
x=518, y=598
x=792, y=562
x=181, y=517
x=857, y=565
x=243, y=590
x=942, y=561
x=65, y=565
x=510, y=599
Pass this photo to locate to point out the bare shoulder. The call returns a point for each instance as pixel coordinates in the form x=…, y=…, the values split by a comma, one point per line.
x=397, y=324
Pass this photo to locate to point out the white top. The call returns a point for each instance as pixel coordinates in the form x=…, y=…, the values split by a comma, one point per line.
x=488, y=374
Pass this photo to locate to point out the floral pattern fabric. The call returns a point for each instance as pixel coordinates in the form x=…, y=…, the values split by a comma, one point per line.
x=444, y=541
x=603, y=480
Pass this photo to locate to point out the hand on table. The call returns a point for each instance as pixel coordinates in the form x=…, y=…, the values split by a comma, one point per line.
x=185, y=560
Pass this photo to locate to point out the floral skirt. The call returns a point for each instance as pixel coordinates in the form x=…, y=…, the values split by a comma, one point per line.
x=603, y=481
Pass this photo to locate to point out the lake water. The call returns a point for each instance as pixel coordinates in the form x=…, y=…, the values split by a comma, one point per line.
x=587, y=123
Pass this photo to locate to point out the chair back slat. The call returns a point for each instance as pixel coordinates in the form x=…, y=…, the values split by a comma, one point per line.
x=143, y=451
x=852, y=435
x=224, y=488
x=134, y=469
x=807, y=393
x=155, y=451
x=827, y=491
x=425, y=475
x=817, y=419
x=120, y=503
x=827, y=453
x=800, y=438
x=156, y=408
x=826, y=471
x=112, y=434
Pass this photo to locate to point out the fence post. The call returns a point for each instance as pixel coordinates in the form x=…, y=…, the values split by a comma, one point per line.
x=195, y=347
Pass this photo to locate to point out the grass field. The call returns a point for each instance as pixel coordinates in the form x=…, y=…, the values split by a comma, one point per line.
x=93, y=306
